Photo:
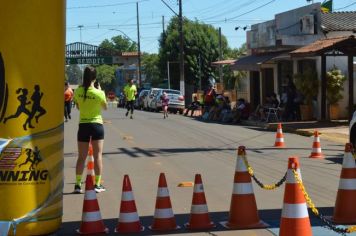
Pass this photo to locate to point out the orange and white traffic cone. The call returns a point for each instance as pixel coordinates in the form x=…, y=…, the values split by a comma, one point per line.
x=91, y=217
x=129, y=222
x=279, y=137
x=243, y=209
x=90, y=163
x=163, y=218
x=295, y=218
x=345, y=207
x=316, y=151
x=199, y=218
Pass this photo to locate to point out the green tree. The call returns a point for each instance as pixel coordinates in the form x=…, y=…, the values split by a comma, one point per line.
x=201, y=48
x=106, y=73
x=74, y=74
x=234, y=53
x=106, y=77
x=119, y=43
x=232, y=79
x=150, y=64
x=334, y=85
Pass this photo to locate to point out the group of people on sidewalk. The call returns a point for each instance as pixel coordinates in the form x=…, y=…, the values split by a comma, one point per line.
x=216, y=107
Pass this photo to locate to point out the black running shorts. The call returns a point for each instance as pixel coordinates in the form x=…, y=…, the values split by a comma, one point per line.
x=95, y=131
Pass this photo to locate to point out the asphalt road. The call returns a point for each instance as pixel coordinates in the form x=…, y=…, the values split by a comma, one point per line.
x=181, y=147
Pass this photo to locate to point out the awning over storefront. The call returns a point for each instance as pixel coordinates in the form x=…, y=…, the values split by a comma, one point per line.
x=223, y=62
x=344, y=44
x=254, y=62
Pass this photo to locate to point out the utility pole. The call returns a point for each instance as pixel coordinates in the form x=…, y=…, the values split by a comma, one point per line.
x=169, y=77
x=138, y=47
x=163, y=24
x=220, y=57
x=181, y=49
x=80, y=30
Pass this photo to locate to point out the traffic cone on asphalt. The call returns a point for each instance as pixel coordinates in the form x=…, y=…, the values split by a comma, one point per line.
x=316, y=151
x=129, y=221
x=199, y=218
x=91, y=217
x=163, y=218
x=279, y=137
x=345, y=207
x=90, y=163
x=295, y=218
x=243, y=209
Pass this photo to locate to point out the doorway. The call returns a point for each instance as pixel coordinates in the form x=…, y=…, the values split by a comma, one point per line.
x=267, y=82
x=255, y=89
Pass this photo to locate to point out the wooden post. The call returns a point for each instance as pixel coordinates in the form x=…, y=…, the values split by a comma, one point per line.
x=323, y=87
x=350, y=70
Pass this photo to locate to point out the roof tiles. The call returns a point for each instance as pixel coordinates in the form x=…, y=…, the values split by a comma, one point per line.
x=339, y=21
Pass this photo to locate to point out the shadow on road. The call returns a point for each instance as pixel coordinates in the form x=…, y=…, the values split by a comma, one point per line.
x=335, y=160
x=270, y=216
x=137, y=152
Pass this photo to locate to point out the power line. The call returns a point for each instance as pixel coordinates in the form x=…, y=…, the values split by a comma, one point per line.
x=98, y=26
x=169, y=7
x=345, y=6
x=257, y=8
x=108, y=5
x=227, y=21
x=231, y=10
x=212, y=8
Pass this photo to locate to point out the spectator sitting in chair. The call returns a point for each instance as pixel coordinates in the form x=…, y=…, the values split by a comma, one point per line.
x=271, y=102
x=240, y=111
x=226, y=110
x=193, y=106
x=215, y=111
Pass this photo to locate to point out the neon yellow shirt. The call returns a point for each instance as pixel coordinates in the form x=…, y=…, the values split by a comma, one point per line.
x=90, y=108
x=130, y=92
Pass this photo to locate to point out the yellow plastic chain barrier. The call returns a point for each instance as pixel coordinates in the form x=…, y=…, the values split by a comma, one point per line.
x=311, y=205
x=259, y=183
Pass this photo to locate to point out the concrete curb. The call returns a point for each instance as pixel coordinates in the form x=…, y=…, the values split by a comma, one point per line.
x=336, y=137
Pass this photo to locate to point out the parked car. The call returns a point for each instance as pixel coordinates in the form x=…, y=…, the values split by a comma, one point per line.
x=151, y=95
x=139, y=103
x=176, y=101
x=353, y=130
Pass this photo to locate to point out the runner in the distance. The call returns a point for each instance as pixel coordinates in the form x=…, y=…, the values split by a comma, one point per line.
x=130, y=92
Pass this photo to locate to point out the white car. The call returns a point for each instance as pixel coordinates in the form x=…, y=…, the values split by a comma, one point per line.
x=176, y=101
x=148, y=99
x=353, y=130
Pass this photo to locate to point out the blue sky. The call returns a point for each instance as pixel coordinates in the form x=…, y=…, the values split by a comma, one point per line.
x=92, y=21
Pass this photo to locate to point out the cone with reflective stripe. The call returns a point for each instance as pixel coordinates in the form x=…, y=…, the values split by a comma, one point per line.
x=316, y=151
x=199, y=217
x=279, y=137
x=90, y=163
x=345, y=207
x=295, y=218
x=163, y=218
x=129, y=221
x=91, y=217
x=243, y=209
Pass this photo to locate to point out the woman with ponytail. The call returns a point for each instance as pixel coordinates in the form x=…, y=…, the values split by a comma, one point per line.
x=90, y=101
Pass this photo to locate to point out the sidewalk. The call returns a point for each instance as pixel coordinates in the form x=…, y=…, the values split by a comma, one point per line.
x=337, y=131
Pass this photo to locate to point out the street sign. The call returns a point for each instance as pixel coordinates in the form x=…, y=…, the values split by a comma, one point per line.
x=89, y=60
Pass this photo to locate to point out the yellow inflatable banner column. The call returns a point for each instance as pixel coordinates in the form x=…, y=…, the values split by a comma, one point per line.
x=32, y=47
